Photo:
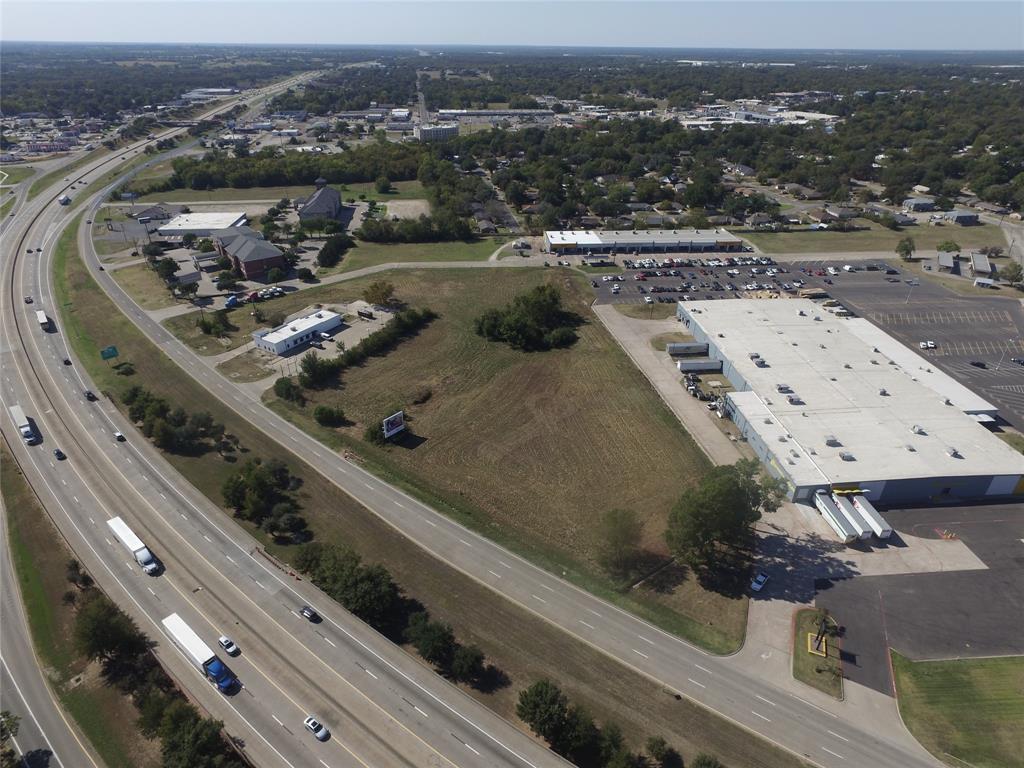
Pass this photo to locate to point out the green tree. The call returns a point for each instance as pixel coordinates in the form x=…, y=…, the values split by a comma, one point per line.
x=544, y=708
x=103, y=631
x=619, y=531
x=719, y=511
x=948, y=246
x=304, y=273
x=467, y=663
x=275, y=275
x=206, y=245
x=704, y=760
x=382, y=184
x=152, y=250
x=188, y=239
x=379, y=293
x=1012, y=272
x=166, y=268
x=9, y=724
x=905, y=248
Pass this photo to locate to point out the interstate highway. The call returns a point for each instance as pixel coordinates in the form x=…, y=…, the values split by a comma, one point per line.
x=383, y=706
x=822, y=731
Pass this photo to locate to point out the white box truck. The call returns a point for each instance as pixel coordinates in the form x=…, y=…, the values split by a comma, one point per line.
x=28, y=434
x=139, y=550
x=43, y=320
x=199, y=653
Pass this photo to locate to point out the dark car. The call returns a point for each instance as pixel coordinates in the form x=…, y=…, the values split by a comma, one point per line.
x=59, y=454
x=67, y=361
x=309, y=613
x=978, y=364
x=88, y=395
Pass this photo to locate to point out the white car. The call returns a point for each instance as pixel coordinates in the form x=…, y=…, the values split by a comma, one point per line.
x=832, y=271
x=317, y=728
x=759, y=581
x=931, y=344
x=228, y=645
x=119, y=437
x=922, y=344
x=648, y=300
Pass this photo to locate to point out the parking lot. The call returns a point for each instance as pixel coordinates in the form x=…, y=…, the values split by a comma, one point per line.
x=976, y=337
x=951, y=614
x=688, y=277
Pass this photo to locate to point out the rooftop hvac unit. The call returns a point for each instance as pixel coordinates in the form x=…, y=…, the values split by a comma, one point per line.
x=319, y=314
x=917, y=429
x=883, y=392
x=847, y=366
x=795, y=400
x=294, y=328
x=832, y=441
x=910, y=448
x=781, y=438
x=754, y=355
x=846, y=456
x=953, y=452
x=946, y=401
x=782, y=388
x=818, y=318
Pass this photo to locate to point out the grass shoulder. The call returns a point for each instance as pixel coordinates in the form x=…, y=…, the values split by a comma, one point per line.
x=57, y=174
x=366, y=254
x=15, y=174
x=143, y=284
x=967, y=709
x=105, y=716
x=822, y=668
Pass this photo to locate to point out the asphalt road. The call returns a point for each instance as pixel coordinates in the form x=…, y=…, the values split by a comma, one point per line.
x=821, y=731
x=383, y=706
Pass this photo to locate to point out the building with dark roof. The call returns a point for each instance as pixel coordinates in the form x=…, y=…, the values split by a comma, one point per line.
x=250, y=254
x=963, y=218
x=324, y=203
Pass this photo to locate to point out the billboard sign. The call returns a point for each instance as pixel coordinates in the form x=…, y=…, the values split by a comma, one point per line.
x=394, y=424
x=108, y=352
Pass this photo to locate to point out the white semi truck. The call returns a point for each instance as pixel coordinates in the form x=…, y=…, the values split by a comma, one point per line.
x=199, y=653
x=25, y=429
x=134, y=544
x=43, y=320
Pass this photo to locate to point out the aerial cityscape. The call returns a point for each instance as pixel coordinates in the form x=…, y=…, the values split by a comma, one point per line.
x=512, y=384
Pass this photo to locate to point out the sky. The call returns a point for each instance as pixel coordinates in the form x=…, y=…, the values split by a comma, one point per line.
x=765, y=24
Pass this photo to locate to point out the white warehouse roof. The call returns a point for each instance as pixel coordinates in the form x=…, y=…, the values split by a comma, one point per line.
x=582, y=238
x=202, y=222
x=299, y=326
x=839, y=401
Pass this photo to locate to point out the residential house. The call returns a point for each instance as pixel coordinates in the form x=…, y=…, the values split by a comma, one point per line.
x=919, y=204
x=756, y=220
x=160, y=212
x=963, y=218
x=250, y=254
x=486, y=227
x=998, y=210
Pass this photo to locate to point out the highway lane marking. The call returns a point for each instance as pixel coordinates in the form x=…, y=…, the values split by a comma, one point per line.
x=545, y=586
x=581, y=621
x=503, y=564
x=420, y=711
x=703, y=669
x=208, y=538
x=369, y=486
x=496, y=575
x=837, y=735
x=466, y=542
x=325, y=765
x=834, y=754
x=64, y=481
x=696, y=683
x=471, y=749
x=92, y=521
x=595, y=613
x=634, y=650
x=370, y=674
x=538, y=598
x=229, y=557
x=766, y=701
x=162, y=495
x=429, y=522
x=649, y=642
x=399, y=504
x=278, y=721
x=330, y=642
x=760, y=715
x=183, y=516
x=151, y=591
x=78, y=502
x=822, y=709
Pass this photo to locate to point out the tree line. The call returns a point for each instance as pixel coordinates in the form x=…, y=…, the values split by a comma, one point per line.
x=172, y=428
x=105, y=634
x=262, y=493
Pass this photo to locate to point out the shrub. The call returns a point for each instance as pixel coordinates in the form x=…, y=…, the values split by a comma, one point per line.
x=329, y=417
x=286, y=389
x=304, y=273
x=275, y=275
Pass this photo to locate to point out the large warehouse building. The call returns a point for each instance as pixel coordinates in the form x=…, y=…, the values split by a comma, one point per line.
x=641, y=241
x=839, y=405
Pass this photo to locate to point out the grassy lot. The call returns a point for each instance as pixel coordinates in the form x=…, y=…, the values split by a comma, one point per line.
x=42, y=182
x=970, y=709
x=523, y=646
x=874, y=238
x=402, y=190
x=15, y=174
x=825, y=674
x=963, y=286
x=185, y=328
x=39, y=556
x=143, y=285
x=6, y=206
x=646, y=311
x=368, y=254
x=544, y=474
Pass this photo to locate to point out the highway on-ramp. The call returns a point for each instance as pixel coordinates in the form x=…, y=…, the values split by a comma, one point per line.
x=384, y=707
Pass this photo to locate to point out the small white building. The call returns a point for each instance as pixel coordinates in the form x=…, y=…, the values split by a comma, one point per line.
x=440, y=132
x=296, y=333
